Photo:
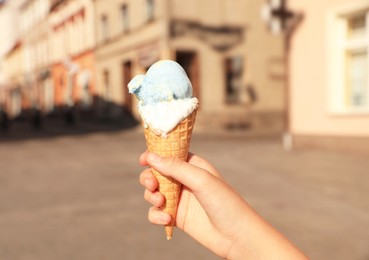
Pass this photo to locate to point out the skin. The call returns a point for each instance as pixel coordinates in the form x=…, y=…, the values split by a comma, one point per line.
x=212, y=212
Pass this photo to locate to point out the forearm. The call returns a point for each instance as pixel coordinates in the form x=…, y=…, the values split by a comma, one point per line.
x=214, y=214
x=261, y=241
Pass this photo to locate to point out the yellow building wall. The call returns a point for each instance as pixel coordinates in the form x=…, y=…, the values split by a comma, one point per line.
x=309, y=72
x=262, y=52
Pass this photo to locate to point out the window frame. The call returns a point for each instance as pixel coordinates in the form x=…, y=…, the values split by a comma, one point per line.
x=150, y=14
x=338, y=45
x=233, y=69
x=104, y=23
x=107, y=84
x=124, y=16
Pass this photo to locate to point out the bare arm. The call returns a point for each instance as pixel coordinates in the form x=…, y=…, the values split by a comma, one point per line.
x=212, y=212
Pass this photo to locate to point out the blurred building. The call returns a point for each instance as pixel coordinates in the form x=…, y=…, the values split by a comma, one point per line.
x=329, y=95
x=8, y=14
x=81, y=54
x=10, y=58
x=236, y=66
x=72, y=46
x=36, y=86
x=12, y=91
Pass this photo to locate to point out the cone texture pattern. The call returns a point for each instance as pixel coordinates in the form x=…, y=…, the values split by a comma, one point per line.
x=175, y=144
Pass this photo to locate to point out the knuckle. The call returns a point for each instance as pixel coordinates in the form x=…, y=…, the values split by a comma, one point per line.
x=202, y=180
x=174, y=162
x=151, y=216
x=147, y=195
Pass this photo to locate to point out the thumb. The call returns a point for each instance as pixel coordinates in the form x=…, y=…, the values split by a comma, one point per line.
x=209, y=189
x=189, y=175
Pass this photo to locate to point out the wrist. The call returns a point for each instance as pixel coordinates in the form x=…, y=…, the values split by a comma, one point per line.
x=238, y=252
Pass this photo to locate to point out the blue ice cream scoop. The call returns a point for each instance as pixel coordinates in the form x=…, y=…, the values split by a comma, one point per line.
x=164, y=81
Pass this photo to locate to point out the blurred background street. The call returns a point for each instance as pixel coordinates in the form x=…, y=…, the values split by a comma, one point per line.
x=283, y=90
x=78, y=197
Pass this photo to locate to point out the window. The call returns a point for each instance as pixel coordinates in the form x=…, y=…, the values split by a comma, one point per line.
x=104, y=28
x=189, y=60
x=356, y=62
x=150, y=10
x=233, y=73
x=16, y=102
x=106, y=78
x=348, y=59
x=48, y=95
x=84, y=79
x=124, y=18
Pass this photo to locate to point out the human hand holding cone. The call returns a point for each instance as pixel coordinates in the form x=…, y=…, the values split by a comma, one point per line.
x=168, y=112
x=175, y=144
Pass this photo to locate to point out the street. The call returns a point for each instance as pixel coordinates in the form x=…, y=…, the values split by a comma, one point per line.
x=78, y=197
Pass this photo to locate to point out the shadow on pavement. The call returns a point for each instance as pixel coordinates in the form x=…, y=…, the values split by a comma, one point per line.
x=66, y=122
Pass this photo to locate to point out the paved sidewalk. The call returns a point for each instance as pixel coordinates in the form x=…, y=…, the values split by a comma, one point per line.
x=78, y=197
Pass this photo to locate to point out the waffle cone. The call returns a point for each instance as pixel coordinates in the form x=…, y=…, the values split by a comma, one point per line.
x=175, y=144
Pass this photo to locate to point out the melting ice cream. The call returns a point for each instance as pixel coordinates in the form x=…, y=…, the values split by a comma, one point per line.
x=165, y=96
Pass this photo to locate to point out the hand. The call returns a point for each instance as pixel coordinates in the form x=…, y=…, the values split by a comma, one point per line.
x=210, y=211
x=201, y=209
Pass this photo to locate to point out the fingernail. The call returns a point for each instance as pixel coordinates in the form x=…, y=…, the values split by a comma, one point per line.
x=153, y=157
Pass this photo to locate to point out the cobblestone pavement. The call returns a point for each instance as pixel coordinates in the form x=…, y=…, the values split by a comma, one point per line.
x=78, y=197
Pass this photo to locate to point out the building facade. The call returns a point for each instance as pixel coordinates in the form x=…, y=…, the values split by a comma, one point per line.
x=235, y=65
x=10, y=62
x=329, y=95
x=73, y=55
x=36, y=86
x=13, y=101
x=82, y=54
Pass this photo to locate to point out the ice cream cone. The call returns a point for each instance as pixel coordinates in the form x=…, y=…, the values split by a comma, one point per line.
x=176, y=144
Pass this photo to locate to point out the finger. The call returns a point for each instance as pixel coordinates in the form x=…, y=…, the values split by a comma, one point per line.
x=190, y=175
x=142, y=160
x=210, y=190
x=192, y=158
x=155, y=198
x=158, y=217
x=148, y=180
x=202, y=163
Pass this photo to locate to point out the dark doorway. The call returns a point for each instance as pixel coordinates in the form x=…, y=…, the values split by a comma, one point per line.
x=233, y=72
x=127, y=75
x=190, y=63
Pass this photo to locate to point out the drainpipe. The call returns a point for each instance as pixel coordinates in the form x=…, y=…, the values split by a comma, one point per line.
x=280, y=20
